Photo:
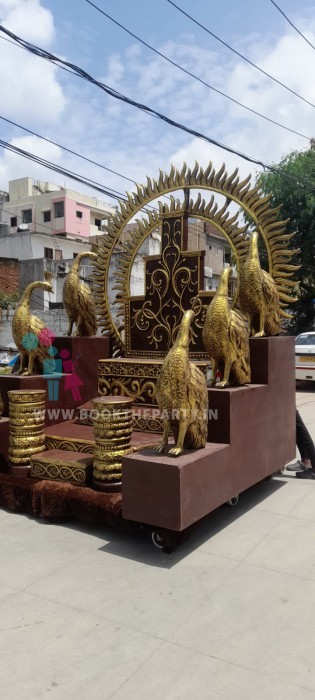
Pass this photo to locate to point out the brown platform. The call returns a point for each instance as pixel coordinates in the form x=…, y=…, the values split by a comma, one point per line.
x=85, y=354
x=72, y=436
x=62, y=465
x=253, y=436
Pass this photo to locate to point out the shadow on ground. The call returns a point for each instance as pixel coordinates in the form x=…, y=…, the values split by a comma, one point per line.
x=137, y=545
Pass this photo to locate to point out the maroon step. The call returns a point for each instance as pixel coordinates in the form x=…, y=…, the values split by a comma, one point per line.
x=62, y=465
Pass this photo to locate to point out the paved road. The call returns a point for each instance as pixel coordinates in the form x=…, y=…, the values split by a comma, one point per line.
x=230, y=615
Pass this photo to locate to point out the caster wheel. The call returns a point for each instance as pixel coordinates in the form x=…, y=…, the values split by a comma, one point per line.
x=233, y=501
x=167, y=541
x=157, y=540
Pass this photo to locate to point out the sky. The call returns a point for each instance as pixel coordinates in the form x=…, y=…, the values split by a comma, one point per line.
x=75, y=114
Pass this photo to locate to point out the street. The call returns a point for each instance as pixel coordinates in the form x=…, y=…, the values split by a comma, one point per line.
x=101, y=614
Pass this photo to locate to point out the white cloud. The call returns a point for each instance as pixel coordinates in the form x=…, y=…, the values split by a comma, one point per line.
x=134, y=144
x=13, y=166
x=29, y=84
x=28, y=19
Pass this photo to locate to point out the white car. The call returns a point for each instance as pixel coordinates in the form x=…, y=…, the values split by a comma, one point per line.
x=305, y=356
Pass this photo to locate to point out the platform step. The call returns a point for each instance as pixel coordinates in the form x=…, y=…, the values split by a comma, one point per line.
x=144, y=418
x=62, y=465
x=74, y=437
x=70, y=436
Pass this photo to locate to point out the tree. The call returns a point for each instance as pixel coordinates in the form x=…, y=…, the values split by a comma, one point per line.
x=295, y=192
x=8, y=300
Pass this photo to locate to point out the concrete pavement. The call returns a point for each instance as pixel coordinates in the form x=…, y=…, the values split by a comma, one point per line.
x=97, y=614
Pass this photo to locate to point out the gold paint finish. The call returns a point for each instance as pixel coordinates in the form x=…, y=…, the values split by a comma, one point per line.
x=147, y=424
x=171, y=280
x=225, y=338
x=182, y=396
x=56, y=442
x=60, y=470
x=259, y=295
x=78, y=300
x=133, y=379
x=24, y=323
x=112, y=421
x=26, y=421
x=249, y=198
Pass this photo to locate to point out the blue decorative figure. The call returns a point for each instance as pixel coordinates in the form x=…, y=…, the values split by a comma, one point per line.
x=52, y=370
x=30, y=341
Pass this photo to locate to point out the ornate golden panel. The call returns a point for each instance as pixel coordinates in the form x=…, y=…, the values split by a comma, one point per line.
x=78, y=474
x=132, y=379
x=55, y=442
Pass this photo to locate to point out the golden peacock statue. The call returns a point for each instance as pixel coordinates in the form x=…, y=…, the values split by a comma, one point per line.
x=225, y=338
x=31, y=335
x=182, y=396
x=259, y=297
x=78, y=300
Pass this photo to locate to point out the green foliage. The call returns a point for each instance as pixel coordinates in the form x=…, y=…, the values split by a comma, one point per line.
x=8, y=300
x=295, y=193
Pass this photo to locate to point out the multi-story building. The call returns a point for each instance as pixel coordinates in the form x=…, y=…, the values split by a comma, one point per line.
x=203, y=235
x=43, y=207
x=34, y=253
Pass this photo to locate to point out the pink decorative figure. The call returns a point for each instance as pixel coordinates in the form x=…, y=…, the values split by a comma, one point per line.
x=46, y=337
x=73, y=381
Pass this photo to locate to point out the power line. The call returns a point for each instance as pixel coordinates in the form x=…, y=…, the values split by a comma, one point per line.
x=65, y=148
x=293, y=25
x=54, y=237
x=62, y=171
x=78, y=155
x=148, y=110
x=244, y=58
x=50, y=228
x=110, y=192
x=195, y=77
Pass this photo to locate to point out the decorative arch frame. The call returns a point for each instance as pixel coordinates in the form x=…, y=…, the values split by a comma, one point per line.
x=250, y=199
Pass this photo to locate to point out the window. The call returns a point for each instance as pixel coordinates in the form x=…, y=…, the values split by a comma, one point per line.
x=59, y=208
x=98, y=222
x=79, y=214
x=13, y=221
x=301, y=340
x=27, y=216
x=48, y=253
x=58, y=254
x=46, y=215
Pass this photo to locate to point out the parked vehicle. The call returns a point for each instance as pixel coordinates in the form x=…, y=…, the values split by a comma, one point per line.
x=305, y=356
x=4, y=359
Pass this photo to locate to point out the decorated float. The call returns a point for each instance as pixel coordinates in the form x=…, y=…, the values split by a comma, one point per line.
x=184, y=403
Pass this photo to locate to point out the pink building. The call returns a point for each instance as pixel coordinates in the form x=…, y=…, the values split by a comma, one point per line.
x=47, y=208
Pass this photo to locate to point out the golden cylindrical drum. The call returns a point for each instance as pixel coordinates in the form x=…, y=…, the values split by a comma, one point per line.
x=112, y=422
x=26, y=421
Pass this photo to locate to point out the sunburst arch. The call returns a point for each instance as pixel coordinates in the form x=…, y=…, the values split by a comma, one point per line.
x=250, y=199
